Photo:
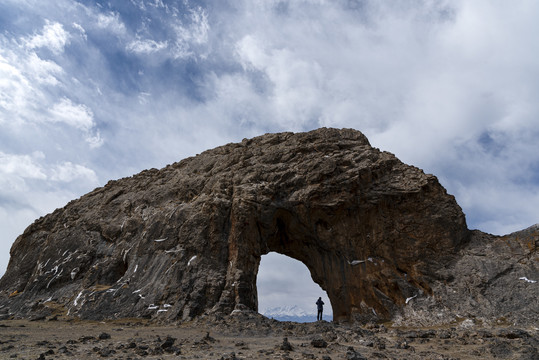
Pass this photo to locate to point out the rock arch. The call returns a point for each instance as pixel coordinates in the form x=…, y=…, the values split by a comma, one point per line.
x=372, y=230
x=283, y=283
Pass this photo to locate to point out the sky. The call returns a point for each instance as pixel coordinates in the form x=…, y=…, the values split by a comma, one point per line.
x=97, y=90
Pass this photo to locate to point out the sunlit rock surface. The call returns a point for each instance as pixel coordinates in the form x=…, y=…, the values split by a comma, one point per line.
x=384, y=239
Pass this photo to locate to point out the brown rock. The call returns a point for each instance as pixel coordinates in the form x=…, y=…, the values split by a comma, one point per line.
x=186, y=240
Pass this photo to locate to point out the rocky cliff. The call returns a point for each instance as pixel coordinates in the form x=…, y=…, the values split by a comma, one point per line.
x=383, y=239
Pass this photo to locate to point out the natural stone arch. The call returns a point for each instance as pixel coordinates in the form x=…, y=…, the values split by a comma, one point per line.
x=368, y=251
x=372, y=230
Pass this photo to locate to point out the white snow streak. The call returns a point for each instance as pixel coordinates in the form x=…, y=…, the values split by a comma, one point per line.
x=410, y=298
x=77, y=299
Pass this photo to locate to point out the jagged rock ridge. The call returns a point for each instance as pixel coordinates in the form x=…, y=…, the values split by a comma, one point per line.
x=186, y=240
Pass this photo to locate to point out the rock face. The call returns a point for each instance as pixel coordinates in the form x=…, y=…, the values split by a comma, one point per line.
x=186, y=240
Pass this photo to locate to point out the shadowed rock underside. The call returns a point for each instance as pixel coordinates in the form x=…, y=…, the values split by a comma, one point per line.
x=382, y=238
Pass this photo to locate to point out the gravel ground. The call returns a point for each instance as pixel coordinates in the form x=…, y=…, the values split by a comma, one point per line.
x=254, y=337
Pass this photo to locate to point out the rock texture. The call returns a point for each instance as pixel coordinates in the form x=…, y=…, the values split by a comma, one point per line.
x=384, y=239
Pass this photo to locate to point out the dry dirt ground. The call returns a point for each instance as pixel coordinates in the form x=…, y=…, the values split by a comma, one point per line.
x=254, y=337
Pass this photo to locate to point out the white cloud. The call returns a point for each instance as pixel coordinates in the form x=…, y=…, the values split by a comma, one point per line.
x=94, y=139
x=22, y=77
x=157, y=3
x=81, y=30
x=26, y=84
x=298, y=84
x=34, y=167
x=68, y=172
x=199, y=28
x=25, y=79
x=144, y=98
x=146, y=46
x=76, y=115
x=53, y=37
x=13, y=88
x=22, y=166
x=110, y=21
x=192, y=37
x=42, y=71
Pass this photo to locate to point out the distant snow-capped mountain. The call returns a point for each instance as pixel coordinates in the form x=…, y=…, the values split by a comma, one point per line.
x=288, y=310
x=292, y=313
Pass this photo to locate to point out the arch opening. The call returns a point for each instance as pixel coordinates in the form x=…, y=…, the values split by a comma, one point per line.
x=287, y=292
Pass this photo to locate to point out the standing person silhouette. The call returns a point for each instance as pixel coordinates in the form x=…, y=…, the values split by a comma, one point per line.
x=320, y=306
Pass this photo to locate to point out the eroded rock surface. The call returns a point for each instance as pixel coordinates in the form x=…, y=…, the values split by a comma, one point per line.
x=381, y=237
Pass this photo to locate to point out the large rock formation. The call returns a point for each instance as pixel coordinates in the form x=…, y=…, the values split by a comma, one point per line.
x=186, y=240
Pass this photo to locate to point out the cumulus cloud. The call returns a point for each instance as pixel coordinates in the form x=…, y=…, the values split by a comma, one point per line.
x=21, y=76
x=17, y=168
x=22, y=166
x=52, y=37
x=29, y=84
x=76, y=115
x=67, y=172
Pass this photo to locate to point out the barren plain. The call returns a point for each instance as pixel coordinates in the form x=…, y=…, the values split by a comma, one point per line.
x=251, y=336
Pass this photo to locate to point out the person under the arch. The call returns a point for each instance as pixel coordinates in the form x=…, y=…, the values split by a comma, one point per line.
x=320, y=306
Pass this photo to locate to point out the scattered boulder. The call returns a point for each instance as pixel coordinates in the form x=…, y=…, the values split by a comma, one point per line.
x=500, y=349
x=319, y=343
x=104, y=336
x=169, y=341
x=513, y=333
x=286, y=346
x=106, y=352
x=229, y=356
x=352, y=354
